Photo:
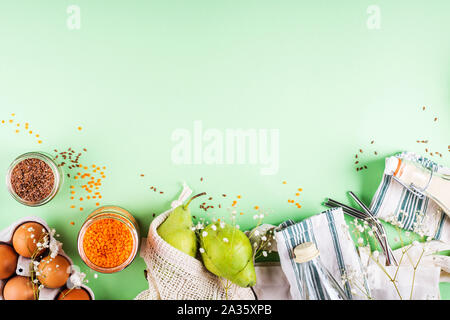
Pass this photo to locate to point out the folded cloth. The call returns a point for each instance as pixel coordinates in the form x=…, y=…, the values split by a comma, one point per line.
x=329, y=232
x=271, y=283
x=423, y=216
x=421, y=284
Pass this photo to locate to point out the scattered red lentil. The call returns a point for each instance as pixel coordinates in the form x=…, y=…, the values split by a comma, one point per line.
x=70, y=160
x=18, y=125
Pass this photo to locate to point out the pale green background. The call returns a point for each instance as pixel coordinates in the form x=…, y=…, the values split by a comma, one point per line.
x=137, y=70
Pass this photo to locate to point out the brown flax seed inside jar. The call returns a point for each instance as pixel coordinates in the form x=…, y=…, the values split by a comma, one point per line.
x=34, y=178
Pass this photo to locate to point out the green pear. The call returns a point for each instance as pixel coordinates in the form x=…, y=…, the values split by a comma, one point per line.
x=177, y=229
x=226, y=252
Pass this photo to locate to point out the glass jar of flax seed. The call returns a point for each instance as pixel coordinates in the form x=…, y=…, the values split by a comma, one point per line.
x=34, y=178
x=108, y=240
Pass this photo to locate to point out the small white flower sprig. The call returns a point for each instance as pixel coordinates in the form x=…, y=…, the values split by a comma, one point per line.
x=260, y=242
x=364, y=234
x=262, y=237
x=76, y=280
x=46, y=241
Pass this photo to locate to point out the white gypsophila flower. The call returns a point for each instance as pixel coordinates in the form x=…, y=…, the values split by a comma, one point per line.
x=255, y=217
x=202, y=250
x=360, y=240
x=204, y=233
x=32, y=235
x=264, y=253
x=77, y=278
x=256, y=233
x=52, y=232
x=199, y=226
x=95, y=275
x=429, y=239
x=261, y=216
x=360, y=228
x=255, y=244
x=214, y=227
x=193, y=228
x=54, y=247
x=225, y=240
x=376, y=254
x=222, y=225
x=263, y=238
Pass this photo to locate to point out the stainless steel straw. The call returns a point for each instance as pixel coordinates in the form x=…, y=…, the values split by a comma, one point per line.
x=388, y=251
x=380, y=233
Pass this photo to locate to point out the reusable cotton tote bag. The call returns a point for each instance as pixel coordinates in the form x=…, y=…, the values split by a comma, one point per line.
x=175, y=275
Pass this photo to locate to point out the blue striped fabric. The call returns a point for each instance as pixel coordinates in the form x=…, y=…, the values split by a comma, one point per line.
x=329, y=232
x=415, y=214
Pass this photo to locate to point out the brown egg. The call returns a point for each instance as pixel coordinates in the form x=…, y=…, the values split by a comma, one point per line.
x=74, y=294
x=8, y=261
x=26, y=237
x=19, y=288
x=54, y=272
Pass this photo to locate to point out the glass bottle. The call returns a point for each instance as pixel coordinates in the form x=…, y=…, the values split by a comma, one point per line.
x=421, y=180
x=316, y=282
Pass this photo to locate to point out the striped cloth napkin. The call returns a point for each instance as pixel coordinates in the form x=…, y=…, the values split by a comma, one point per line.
x=329, y=232
x=423, y=216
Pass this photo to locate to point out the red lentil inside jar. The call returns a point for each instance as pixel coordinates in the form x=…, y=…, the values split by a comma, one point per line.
x=109, y=239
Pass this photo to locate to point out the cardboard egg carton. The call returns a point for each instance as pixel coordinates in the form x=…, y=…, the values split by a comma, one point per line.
x=23, y=264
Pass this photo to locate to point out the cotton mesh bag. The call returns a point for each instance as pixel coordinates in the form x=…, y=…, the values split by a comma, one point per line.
x=175, y=275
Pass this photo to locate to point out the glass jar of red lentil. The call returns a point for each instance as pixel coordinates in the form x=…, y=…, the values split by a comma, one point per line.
x=108, y=240
x=34, y=178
